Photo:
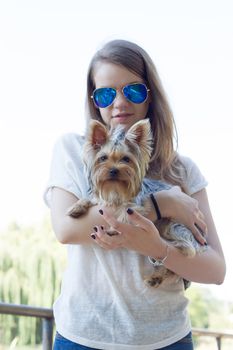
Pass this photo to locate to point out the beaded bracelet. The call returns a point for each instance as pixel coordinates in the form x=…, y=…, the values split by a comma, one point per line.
x=155, y=204
x=159, y=262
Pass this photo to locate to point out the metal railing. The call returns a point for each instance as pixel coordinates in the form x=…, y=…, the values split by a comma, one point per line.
x=45, y=314
x=47, y=323
x=217, y=335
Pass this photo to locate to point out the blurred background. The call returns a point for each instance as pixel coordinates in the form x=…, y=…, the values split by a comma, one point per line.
x=45, y=49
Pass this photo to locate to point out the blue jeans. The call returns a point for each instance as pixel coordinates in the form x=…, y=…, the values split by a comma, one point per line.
x=62, y=343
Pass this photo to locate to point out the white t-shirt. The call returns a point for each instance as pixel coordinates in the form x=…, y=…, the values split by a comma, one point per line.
x=104, y=301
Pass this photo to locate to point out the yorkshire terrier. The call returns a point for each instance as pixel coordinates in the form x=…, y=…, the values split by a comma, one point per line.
x=116, y=162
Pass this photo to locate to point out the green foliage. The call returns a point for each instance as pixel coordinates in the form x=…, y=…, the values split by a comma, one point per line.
x=199, y=306
x=31, y=265
x=208, y=312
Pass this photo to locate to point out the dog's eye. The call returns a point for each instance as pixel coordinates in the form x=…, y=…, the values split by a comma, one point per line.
x=125, y=159
x=103, y=158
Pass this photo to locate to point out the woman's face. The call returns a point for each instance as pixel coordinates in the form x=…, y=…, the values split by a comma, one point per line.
x=121, y=111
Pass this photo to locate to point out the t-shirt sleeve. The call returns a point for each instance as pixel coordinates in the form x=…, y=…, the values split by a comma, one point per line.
x=194, y=179
x=66, y=169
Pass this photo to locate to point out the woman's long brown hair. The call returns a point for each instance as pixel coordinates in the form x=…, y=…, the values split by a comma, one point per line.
x=165, y=163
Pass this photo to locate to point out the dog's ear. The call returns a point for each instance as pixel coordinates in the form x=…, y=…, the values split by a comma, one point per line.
x=97, y=134
x=140, y=134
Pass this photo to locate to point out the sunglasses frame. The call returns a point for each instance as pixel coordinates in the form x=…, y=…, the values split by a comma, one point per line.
x=122, y=90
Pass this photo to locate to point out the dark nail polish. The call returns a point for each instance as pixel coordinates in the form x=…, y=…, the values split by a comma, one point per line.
x=95, y=228
x=101, y=227
x=205, y=243
x=93, y=236
x=130, y=211
x=101, y=211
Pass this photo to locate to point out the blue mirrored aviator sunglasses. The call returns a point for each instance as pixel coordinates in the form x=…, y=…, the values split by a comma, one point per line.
x=104, y=97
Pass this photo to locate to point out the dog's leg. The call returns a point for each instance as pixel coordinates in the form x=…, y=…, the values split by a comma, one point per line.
x=179, y=236
x=79, y=208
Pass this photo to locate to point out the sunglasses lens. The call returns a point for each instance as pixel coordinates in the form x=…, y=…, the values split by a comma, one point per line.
x=136, y=93
x=104, y=97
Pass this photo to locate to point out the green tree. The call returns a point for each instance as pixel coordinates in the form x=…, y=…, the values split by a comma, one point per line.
x=199, y=306
x=31, y=266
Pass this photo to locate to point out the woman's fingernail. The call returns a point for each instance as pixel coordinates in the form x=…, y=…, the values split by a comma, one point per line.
x=130, y=211
x=95, y=228
x=93, y=236
x=101, y=227
x=101, y=212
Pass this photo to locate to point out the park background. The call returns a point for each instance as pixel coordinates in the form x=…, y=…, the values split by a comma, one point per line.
x=45, y=49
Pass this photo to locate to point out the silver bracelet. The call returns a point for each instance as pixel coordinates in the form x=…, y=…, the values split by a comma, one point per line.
x=159, y=262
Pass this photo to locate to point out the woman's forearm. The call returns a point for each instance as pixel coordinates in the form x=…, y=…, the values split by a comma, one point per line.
x=199, y=268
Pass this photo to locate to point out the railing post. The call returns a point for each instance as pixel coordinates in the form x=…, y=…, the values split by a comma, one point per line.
x=47, y=333
x=218, y=339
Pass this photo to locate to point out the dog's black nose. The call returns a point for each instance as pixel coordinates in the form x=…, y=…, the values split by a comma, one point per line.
x=113, y=172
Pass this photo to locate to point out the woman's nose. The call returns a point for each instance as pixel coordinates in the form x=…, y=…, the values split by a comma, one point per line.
x=120, y=100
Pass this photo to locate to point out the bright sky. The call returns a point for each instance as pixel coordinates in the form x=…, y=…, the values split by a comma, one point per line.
x=45, y=48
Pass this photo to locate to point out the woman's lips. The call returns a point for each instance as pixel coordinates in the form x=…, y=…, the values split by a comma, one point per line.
x=122, y=116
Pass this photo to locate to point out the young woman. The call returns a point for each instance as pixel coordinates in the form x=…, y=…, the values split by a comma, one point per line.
x=104, y=302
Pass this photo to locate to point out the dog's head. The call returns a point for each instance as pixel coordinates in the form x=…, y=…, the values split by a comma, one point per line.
x=117, y=160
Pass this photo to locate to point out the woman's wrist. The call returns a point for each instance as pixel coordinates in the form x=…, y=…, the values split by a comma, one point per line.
x=159, y=261
x=156, y=206
x=152, y=207
x=162, y=198
x=160, y=251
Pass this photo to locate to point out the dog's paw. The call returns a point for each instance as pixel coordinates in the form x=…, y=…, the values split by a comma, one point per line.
x=153, y=281
x=159, y=275
x=76, y=211
x=79, y=208
x=185, y=248
x=111, y=232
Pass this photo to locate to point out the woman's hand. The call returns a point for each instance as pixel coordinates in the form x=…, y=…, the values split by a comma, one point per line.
x=140, y=235
x=180, y=207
